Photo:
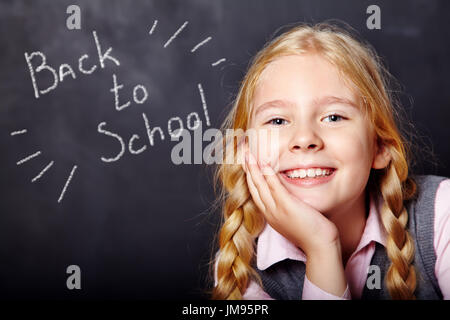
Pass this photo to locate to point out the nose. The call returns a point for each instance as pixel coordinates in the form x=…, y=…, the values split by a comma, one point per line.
x=305, y=138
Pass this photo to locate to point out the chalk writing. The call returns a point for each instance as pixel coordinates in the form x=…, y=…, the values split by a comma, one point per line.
x=218, y=62
x=64, y=69
x=153, y=27
x=43, y=171
x=28, y=158
x=15, y=133
x=175, y=34
x=200, y=44
x=67, y=183
x=205, y=107
x=116, y=136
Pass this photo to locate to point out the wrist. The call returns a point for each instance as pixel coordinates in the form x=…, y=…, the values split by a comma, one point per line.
x=324, y=251
x=325, y=269
x=329, y=254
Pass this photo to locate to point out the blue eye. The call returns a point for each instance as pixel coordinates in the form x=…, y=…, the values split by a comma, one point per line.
x=333, y=118
x=276, y=121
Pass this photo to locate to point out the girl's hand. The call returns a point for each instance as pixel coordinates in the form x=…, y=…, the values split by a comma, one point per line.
x=306, y=227
x=294, y=219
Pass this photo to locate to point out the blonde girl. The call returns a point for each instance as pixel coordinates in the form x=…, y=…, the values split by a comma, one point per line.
x=331, y=206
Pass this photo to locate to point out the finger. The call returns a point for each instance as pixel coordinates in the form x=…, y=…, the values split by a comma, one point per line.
x=278, y=190
x=268, y=215
x=282, y=196
x=260, y=183
x=255, y=194
x=244, y=163
x=241, y=148
x=272, y=179
x=244, y=148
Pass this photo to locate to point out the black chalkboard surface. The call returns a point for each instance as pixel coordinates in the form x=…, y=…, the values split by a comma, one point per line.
x=82, y=180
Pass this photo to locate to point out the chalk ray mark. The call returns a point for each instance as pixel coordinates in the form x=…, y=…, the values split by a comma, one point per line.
x=200, y=44
x=153, y=27
x=67, y=183
x=28, y=158
x=43, y=171
x=176, y=34
x=202, y=96
x=218, y=62
x=18, y=132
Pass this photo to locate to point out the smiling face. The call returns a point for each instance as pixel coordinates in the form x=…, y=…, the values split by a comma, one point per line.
x=326, y=146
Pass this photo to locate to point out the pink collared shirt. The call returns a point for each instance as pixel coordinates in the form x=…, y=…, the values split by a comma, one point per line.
x=273, y=247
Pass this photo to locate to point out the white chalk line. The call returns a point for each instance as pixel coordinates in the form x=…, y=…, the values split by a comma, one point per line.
x=175, y=34
x=153, y=27
x=67, y=183
x=218, y=62
x=18, y=132
x=43, y=171
x=200, y=44
x=205, y=110
x=28, y=158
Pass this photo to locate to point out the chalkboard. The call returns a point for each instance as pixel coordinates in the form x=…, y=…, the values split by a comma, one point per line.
x=82, y=182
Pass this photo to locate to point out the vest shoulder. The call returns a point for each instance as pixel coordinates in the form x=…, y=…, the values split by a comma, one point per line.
x=427, y=186
x=428, y=179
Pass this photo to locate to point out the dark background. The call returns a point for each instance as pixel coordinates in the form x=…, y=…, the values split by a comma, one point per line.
x=142, y=227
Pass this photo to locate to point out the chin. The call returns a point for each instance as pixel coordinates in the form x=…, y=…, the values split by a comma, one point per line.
x=316, y=201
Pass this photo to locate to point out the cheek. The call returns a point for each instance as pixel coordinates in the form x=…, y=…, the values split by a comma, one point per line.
x=354, y=151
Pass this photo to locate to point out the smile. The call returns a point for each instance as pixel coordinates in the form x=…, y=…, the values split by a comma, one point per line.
x=309, y=176
x=309, y=173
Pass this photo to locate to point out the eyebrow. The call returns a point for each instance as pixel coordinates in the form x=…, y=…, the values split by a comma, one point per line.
x=323, y=101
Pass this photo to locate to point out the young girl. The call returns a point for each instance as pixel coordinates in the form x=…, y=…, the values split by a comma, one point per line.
x=330, y=210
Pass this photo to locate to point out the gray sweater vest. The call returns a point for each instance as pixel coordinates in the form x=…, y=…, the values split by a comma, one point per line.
x=284, y=280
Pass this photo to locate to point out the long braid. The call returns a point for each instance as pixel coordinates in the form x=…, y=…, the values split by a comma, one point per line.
x=242, y=224
x=395, y=187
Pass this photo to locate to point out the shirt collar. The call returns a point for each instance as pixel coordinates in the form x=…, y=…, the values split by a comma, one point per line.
x=272, y=247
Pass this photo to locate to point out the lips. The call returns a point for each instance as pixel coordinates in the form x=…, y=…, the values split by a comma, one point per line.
x=308, y=177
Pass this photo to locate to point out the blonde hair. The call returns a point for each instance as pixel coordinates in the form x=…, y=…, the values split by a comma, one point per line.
x=241, y=221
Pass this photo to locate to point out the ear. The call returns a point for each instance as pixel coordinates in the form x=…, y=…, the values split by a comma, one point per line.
x=382, y=156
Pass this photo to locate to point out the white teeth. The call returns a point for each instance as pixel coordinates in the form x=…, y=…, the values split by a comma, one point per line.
x=302, y=173
x=310, y=173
